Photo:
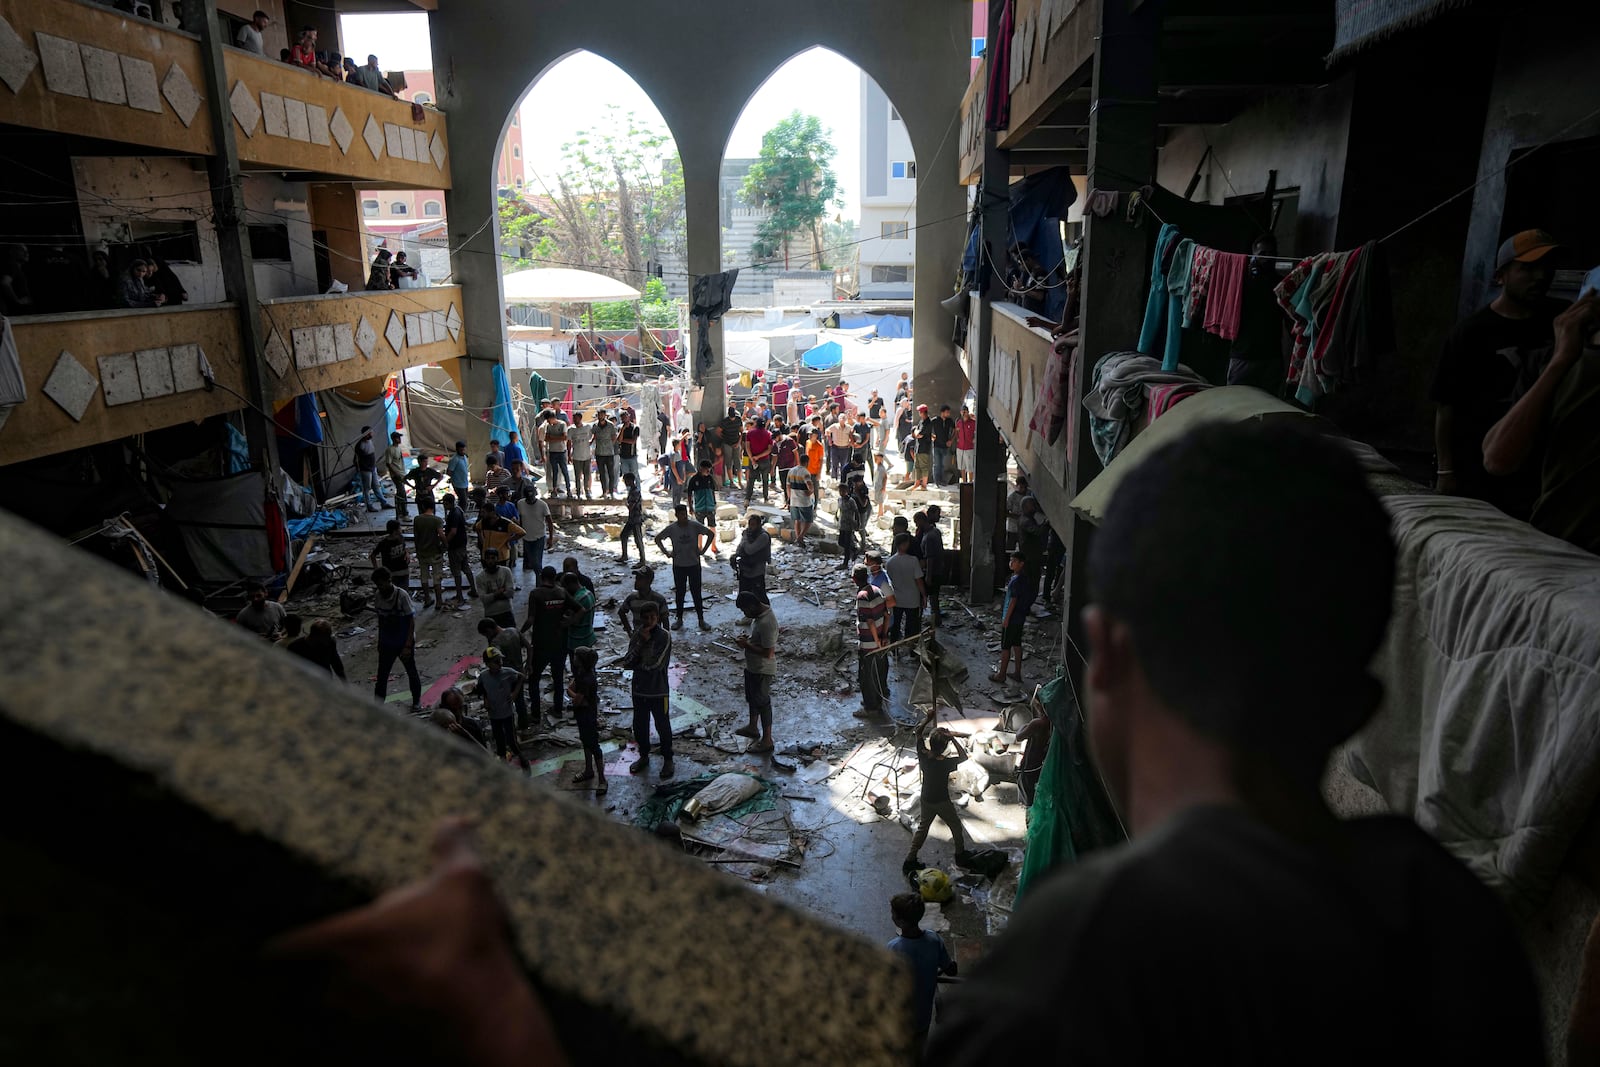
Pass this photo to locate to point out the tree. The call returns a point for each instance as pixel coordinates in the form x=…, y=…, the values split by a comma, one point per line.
x=793, y=179
x=656, y=309
x=520, y=234
x=617, y=204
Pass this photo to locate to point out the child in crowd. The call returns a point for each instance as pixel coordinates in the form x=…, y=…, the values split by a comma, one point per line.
x=924, y=950
x=583, y=696
x=1019, y=598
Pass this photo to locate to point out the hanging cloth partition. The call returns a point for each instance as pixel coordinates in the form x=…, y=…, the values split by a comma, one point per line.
x=502, y=416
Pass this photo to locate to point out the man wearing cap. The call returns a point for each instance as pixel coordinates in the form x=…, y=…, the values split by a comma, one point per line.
x=1489, y=360
x=499, y=685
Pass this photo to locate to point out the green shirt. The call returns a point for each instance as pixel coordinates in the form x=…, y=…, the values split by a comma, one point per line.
x=427, y=529
x=581, y=631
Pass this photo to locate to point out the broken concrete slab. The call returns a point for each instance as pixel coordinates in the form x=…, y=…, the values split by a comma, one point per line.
x=219, y=823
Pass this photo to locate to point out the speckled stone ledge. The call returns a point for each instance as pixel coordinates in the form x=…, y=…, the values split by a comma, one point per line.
x=139, y=686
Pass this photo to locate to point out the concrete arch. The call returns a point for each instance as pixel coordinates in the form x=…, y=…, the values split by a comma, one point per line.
x=699, y=63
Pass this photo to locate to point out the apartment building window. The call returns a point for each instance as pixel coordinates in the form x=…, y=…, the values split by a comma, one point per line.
x=516, y=120
x=397, y=208
x=903, y=169
x=895, y=231
x=269, y=243
x=369, y=208
x=892, y=274
x=516, y=151
x=433, y=209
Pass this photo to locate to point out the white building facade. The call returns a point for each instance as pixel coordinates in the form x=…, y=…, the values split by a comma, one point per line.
x=888, y=231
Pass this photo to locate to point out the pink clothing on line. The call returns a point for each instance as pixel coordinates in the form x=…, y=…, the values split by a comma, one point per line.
x=1225, y=295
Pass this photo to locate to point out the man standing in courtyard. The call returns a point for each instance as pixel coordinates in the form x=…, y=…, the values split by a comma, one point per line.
x=760, y=664
x=649, y=655
x=496, y=584
x=688, y=540
x=750, y=559
x=548, y=604
x=605, y=453
x=394, y=465
x=872, y=667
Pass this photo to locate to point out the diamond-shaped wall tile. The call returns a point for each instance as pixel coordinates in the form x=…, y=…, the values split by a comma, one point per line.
x=246, y=112
x=373, y=134
x=277, y=354
x=317, y=124
x=299, y=125
x=436, y=149
x=104, y=72
x=416, y=146
x=305, y=346
x=391, y=141
x=71, y=385
x=343, y=132
x=413, y=329
x=119, y=377
x=395, y=332
x=273, y=119
x=452, y=322
x=180, y=93
x=16, y=58
x=366, y=337
x=139, y=78
x=344, y=341
x=63, y=66
x=188, y=364
x=155, y=372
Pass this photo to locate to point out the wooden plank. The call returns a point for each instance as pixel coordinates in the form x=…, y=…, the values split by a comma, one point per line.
x=305, y=551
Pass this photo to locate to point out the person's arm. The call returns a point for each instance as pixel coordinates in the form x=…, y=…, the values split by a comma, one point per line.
x=549, y=526
x=661, y=536
x=1510, y=441
x=704, y=538
x=514, y=530
x=624, y=610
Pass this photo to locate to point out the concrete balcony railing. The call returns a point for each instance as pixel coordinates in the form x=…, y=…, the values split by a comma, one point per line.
x=78, y=68
x=1017, y=361
x=320, y=342
x=99, y=376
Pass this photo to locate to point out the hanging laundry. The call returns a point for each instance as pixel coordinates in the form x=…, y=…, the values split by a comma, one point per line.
x=1224, y=294
x=1163, y=398
x=1050, y=411
x=1119, y=393
x=997, y=102
x=1199, y=285
x=1155, y=339
x=1343, y=320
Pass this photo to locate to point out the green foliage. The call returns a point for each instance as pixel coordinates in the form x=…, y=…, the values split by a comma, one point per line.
x=793, y=179
x=658, y=310
x=521, y=236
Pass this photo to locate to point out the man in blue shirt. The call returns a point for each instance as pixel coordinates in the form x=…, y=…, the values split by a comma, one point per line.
x=924, y=950
x=512, y=453
x=460, y=474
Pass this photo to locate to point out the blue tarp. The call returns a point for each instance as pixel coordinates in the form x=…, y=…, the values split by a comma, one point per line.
x=391, y=416
x=238, y=451
x=826, y=356
x=1038, y=204
x=887, y=325
x=502, y=417
x=319, y=522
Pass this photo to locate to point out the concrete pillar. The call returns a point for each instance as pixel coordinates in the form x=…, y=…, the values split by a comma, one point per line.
x=989, y=462
x=475, y=254
x=702, y=171
x=1116, y=264
x=941, y=231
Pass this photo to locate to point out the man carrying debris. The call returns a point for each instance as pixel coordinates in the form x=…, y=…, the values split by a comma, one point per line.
x=750, y=559
x=397, y=635
x=688, y=540
x=547, y=638
x=633, y=604
x=937, y=757
x=495, y=586
x=872, y=670
x=760, y=664
x=649, y=654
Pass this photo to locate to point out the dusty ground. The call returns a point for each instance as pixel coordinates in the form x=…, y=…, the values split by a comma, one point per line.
x=837, y=856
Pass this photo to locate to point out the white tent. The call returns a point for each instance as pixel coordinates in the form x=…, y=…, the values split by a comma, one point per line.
x=562, y=285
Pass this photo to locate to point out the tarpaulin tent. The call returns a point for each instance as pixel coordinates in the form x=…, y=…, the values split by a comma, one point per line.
x=222, y=522
x=826, y=356
x=885, y=325
x=503, y=416
x=433, y=418
x=343, y=419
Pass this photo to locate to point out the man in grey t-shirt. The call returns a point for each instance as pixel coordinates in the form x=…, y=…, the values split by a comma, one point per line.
x=580, y=443
x=689, y=541
x=760, y=664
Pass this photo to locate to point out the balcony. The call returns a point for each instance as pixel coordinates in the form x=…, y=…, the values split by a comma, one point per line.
x=1017, y=360
x=320, y=342
x=1052, y=48
x=98, y=376
x=86, y=70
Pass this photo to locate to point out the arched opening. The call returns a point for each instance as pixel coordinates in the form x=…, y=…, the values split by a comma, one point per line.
x=818, y=204
x=592, y=183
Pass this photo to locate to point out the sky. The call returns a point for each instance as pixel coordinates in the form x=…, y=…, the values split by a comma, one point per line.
x=565, y=101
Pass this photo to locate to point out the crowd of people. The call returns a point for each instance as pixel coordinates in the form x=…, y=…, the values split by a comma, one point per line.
x=305, y=54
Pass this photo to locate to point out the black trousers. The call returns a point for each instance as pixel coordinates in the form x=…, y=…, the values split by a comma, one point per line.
x=608, y=474
x=644, y=710
x=933, y=588
x=554, y=660
x=505, y=738
x=386, y=660
x=756, y=585
x=907, y=623
x=872, y=677
x=687, y=578
x=636, y=531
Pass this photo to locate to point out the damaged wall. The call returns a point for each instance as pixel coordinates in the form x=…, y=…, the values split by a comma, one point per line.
x=123, y=197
